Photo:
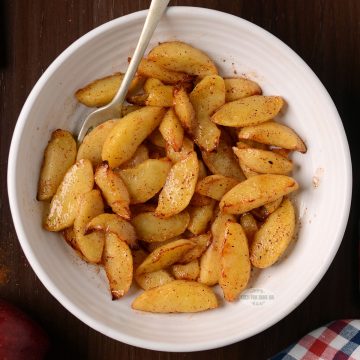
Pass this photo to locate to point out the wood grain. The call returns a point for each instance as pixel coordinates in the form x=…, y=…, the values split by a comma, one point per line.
x=325, y=33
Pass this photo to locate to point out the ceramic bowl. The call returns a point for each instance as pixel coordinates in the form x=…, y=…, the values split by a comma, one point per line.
x=239, y=48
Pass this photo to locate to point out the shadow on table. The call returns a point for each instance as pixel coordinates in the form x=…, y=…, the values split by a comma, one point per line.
x=3, y=35
x=58, y=352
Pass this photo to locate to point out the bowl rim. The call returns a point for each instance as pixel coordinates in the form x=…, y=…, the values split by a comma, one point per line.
x=63, y=298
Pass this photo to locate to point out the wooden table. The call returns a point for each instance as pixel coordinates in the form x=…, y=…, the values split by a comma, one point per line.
x=325, y=33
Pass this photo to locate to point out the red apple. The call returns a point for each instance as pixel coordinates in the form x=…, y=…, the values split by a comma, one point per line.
x=20, y=337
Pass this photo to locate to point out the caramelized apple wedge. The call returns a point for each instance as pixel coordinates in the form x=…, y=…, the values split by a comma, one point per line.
x=255, y=192
x=177, y=296
x=118, y=263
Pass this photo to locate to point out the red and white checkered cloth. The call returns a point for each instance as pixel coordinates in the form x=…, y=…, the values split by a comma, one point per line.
x=339, y=340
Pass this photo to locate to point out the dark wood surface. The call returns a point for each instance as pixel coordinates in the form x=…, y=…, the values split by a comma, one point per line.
x=325, y=33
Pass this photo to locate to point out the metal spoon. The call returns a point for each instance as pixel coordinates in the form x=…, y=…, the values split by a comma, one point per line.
x=113, y=109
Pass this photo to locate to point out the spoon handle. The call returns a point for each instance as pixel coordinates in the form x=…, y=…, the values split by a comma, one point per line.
x=156, y=10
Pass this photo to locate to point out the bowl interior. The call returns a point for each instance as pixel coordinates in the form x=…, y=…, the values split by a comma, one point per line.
x=324, y=173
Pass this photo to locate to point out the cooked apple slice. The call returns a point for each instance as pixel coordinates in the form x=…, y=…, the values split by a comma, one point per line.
x=78, y=180
x=239, y=88
x=249, y=225
x=114, y=190
x=186, y=148
x=160, y=95
x=126, y=136
x=200, y=217
x=272, y=133
x=118, y=263
x=100, y=92
x=178, y=296
x=154, y=279
x=283, y=152
x=189, y=271
x=247, y=171
x=255, y=192
x=151, y=83
x=59, y=156
x=152, y=69
x=270, y=207
x=252, y=110
x=222, y=161
x=200, y=200
x=202, y=242
x=112, y=223
x=150, y=247
x=264, y=161
x=91, y=246
x=264, y=211
x=210, y=260
x=179, y=56
x=208, y=95
x=145, y=180
x=165, y=255
x=251, y=144
x=184, y=109
x=141, y=154
x=137, y=100
x=93, y=142
x=179, y=187
x=70, y=238
x=234, y=261
x=127, y=109
x=215, y=186
x=275, y=235
x=157, y=139
x=151, y=228
x=171, y=130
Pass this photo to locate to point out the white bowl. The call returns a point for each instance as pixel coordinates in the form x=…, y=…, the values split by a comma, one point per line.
x=236, y=46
